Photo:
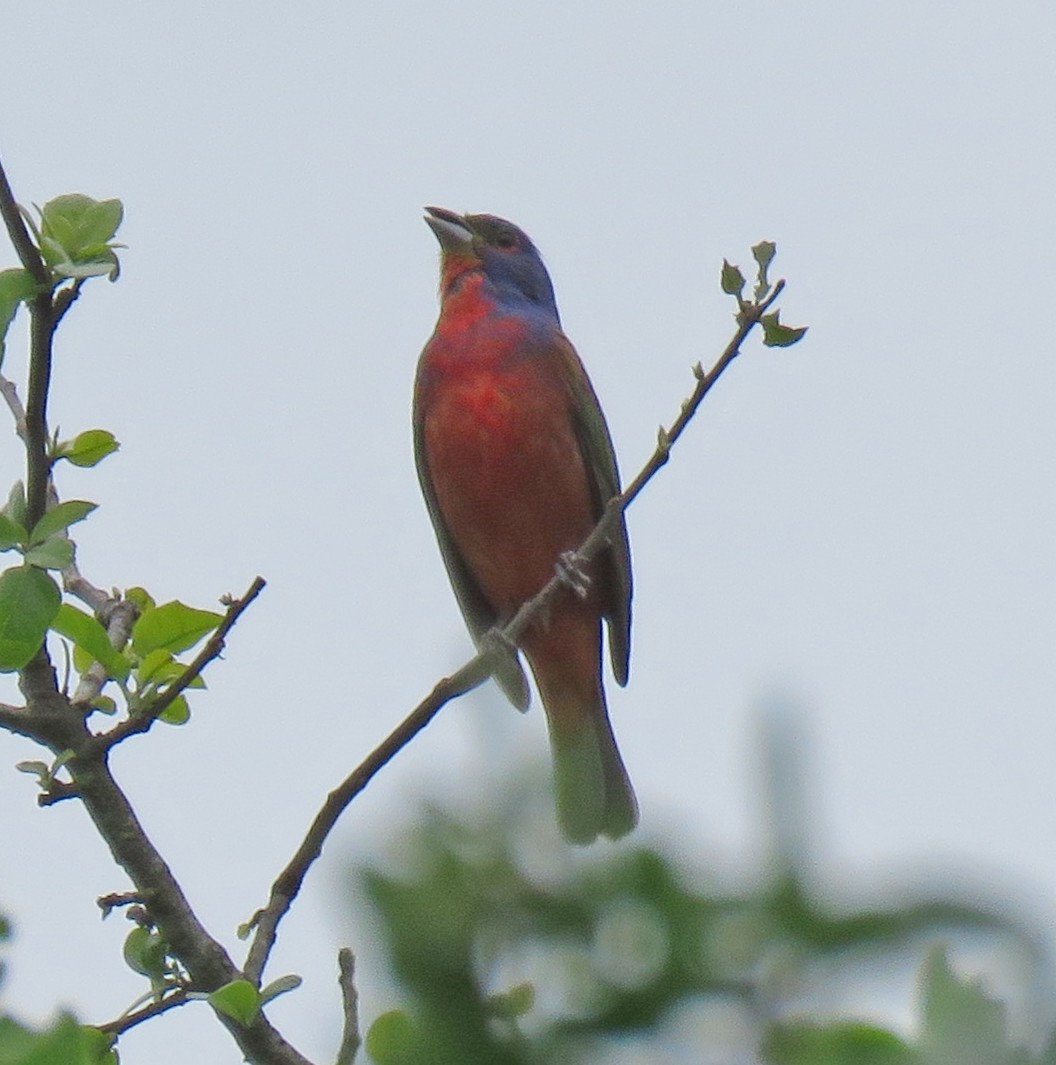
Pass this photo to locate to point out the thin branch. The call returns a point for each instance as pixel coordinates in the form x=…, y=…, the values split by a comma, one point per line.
x=65, y=298
x=346, y=980
x=38, y=383
x=289, y=881
x=16, y=719
x=81, y=588
x=111, y=902
x=41, y=330
x=212, y=649
x=115, y=614
x=57, y=791
x=206, y=961
x=122, y=1024
x=27, y=251
x=479, y=668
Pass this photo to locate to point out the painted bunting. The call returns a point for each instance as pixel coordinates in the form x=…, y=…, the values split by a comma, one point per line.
x=516, y=465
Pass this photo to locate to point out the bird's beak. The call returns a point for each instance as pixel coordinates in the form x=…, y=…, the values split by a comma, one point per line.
x=451, y=229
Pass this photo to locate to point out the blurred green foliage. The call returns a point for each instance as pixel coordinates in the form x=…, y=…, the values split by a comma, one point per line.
x=510, y=947
x=62, y=1042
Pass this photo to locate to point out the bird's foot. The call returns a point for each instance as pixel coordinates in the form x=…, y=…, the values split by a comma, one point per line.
x=505, y=666
x=572, y=573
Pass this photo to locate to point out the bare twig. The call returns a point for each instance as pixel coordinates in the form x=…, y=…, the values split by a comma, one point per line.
x=109, y=903
x=346, y=980
x=66, y=297
x=81, y=588
x=480, y=667
x=212, y=649
x=122, y=1024
x=15, y=719
x=38, y=465
x=26, y=250
x=41, y=328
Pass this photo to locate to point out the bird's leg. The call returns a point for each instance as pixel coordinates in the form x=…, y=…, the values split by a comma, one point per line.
x=572, y=573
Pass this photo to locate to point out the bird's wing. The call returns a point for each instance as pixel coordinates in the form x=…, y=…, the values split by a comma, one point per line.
x=480, y=617
x=599, y=456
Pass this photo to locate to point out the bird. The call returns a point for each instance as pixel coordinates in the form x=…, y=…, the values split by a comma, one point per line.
x=516, y=465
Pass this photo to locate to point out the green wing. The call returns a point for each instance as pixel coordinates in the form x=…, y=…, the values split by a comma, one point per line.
x=599, y=456
x=480, y=617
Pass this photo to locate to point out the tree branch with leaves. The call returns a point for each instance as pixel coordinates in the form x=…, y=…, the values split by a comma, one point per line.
x=126, y=647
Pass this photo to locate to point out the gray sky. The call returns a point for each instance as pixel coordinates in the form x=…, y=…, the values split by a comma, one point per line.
x=863, y=523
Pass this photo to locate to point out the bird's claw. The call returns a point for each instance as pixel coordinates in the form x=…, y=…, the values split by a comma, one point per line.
x=572, y=574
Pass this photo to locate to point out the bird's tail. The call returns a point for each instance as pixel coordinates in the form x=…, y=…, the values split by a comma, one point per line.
x=594, y=793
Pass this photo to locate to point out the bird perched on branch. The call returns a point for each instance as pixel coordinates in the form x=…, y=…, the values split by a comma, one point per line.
x=516, y=465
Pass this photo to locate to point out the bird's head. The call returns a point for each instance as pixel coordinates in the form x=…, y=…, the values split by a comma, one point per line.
x=494, y=247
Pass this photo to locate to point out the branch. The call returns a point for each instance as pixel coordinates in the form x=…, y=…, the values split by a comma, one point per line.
x=117, y=615
x=289, y=881
x=212, y=649
x=82, y=588
x=16, y=719
x=205, y=960
x=479, y=668
x=346, y=980
x=60, y=726
x=121, y=1024
x=41, y=330
x=27, y=251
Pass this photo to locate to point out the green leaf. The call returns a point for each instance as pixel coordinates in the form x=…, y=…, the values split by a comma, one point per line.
x=11, y=533
x=85, y=268
x=776, y=335
x=145, y=952
x=82, y=660
x=173, y=626
x=64, y=1042
x=88, y=448
x=841, y=1043
x=41, y=770
x=59, y=517
x=15, y=507
x=763, y=253
x=15, y=286
x=176, y=713
x=280, y=986
x=239, y=1000
x=86, y=632
x=104, y=704
x=513, y=1003
x=75, y=236
x=78, y=224
x=102, y=221
x=159, y=667
x=731, y=279
x=29, y=601
x=57, y=553
x=140, y=598
x=153, y=666
x=392, y=1039
x=961, y=1023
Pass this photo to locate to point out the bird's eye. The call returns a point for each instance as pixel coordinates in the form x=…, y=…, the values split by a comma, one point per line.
x=505, y=241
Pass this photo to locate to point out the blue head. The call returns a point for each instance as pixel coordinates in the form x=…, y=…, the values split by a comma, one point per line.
x=498, y=249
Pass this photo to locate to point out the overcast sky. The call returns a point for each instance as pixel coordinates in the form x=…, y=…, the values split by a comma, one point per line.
x=861, y=525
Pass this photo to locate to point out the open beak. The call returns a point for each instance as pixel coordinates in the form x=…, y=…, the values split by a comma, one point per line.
x=451, y=230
